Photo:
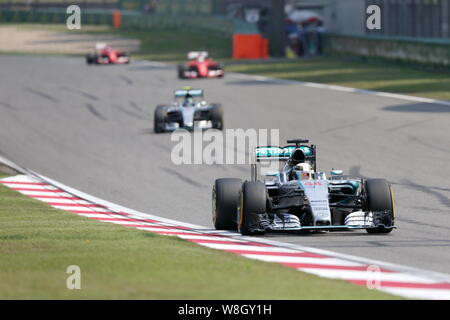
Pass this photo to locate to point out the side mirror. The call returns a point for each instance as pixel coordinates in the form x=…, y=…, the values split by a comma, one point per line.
x=336, y=172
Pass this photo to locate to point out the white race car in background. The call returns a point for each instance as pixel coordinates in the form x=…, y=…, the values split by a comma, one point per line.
x=188, y=111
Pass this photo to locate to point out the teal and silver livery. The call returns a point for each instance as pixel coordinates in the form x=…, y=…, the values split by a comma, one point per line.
x=299, y=198
x=188, y=111
x=188, y=91
x=317, y=193
x=279, y=152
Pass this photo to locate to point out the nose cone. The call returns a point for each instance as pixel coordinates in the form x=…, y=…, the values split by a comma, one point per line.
x=203, y=69
x=188, y=116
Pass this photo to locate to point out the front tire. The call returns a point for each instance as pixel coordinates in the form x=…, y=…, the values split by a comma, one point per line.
x=220, y=67
x=159, y=119
x=181, y=69
x=379, y=199
x=90, y=58
x=253, y=200
x=225, y=203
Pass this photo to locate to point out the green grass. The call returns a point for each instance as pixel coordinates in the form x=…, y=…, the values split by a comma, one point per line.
x=356, y=74
x=58, y=27
x=169, y=45
x=38, y=243
x=173, y=45
x=3, y=175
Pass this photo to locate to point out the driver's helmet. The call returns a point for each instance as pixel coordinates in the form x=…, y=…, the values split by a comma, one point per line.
x=303, y=171
x=188, y=101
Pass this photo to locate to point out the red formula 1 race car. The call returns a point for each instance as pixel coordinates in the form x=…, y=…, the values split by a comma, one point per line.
x=104, y=54
x=199, y=66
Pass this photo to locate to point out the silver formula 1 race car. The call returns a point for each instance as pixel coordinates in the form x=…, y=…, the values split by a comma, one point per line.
x=188, y=111
x=293, y=196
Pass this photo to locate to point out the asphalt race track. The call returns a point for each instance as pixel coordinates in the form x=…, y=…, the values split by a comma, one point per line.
x=91, y=127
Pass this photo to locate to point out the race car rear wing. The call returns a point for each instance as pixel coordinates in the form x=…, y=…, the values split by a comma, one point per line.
x=188, y=92
x=100, y=46
x=284, y=153
x=197, y=55
x=276, y=153
x=273, y=153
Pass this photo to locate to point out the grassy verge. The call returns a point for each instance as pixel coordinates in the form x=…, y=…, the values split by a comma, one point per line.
x=3, y=175
x=169, y=45
x=173, y=45
x=58, y=27
x=38, y=243
x=357, y=74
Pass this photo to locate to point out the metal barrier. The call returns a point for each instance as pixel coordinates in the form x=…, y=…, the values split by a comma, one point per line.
x=432, y=52
x=53, y=4
x=93, y=17
x=134, y=20
x=185, y=7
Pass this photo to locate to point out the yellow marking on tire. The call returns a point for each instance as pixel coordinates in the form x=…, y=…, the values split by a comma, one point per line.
x=392, y=201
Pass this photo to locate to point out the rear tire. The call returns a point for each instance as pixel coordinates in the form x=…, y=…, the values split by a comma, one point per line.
x=225, y=201
x=217, y=116
x=253, y=200
x=380, y=198
x=159, y=119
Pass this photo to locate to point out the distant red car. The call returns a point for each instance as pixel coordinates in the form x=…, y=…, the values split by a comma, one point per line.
x=106, y=55
x=200, y=67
